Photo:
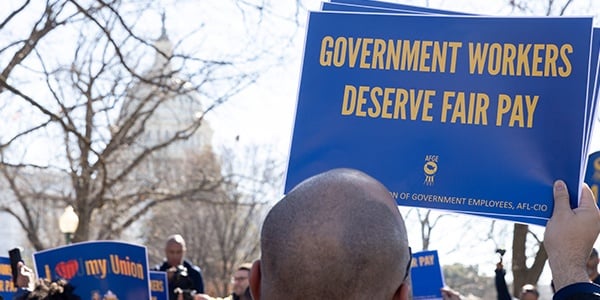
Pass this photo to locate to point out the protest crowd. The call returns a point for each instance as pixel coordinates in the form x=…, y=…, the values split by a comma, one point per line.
x=311, y=249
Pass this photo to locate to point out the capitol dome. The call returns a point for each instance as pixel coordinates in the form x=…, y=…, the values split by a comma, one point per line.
x=172, y=104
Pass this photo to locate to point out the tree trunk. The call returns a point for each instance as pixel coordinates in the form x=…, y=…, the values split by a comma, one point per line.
x=521, y=273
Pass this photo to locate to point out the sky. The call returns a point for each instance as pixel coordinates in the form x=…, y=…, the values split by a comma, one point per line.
x=263, y=113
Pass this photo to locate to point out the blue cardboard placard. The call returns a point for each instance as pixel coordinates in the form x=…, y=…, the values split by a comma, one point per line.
x=426, y=275
x=106, y=269
x=159, y=287
x=7, y=287
x=370, y=6
x=447, y=132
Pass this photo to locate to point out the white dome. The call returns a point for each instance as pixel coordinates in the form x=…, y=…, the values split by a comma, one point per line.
x=175, y=111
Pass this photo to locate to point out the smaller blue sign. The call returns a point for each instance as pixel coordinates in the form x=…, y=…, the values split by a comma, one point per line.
x=159, y=286
x=109, y=270
x=426, y=276
x=7, y=287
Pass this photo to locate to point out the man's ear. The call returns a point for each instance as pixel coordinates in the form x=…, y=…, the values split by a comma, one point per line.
x=255, y=280
x=402, y=292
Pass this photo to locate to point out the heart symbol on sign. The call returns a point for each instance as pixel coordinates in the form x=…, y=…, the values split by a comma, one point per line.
x=67, y=269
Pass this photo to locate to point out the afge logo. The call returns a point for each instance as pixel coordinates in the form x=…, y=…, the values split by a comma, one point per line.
x=430, y=168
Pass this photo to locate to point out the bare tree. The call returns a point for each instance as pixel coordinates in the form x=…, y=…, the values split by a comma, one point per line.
x=548, y=7
x=523, y=274
x=427, y=224
x=91, y=85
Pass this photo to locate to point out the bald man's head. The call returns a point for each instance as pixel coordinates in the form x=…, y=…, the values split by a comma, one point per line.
x=337, y=235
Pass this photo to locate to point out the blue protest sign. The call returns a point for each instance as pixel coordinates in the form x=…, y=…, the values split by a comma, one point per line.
x=447, y=116
x=98, y=270
x=7, y=287
x=159, y=285
x=426, y=275
x=366, y=6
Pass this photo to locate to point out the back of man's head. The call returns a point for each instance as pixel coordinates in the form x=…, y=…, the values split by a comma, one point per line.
x=337, y=235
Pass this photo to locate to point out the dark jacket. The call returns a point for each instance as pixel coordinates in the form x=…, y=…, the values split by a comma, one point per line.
x=246, y=295
x=193, y=281
x=596, y=280
x=501, y=288
x=579, y=291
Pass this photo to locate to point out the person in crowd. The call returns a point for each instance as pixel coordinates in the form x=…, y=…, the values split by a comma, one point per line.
x=182, y=275
x=41, y=289
x=24, y=282
x=528, y=291
x=241, y=283
x=339, y=235
x=58, y=290
x=592, y=267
